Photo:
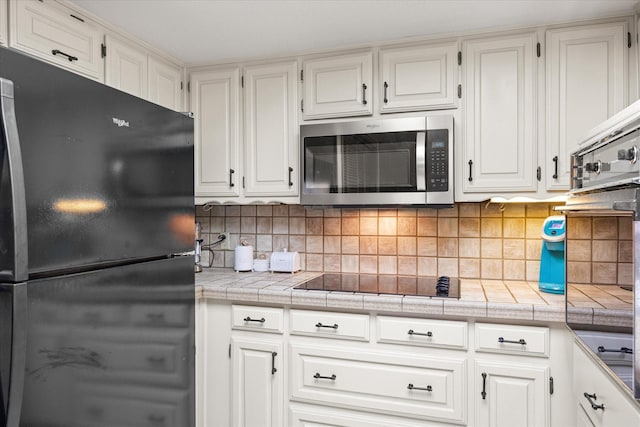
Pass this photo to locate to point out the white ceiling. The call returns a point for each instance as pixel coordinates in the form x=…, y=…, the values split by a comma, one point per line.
x=206, y=31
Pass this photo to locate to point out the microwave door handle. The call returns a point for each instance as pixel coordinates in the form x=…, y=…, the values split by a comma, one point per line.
x=421, y=162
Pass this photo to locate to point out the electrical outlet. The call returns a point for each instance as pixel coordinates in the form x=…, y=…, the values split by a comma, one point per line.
x=225, y=244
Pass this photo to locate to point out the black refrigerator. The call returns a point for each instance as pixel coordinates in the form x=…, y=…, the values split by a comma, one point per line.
x=96, y=204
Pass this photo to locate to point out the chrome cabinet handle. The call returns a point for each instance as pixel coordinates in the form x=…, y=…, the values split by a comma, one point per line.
x=157, y=419
x=320, y=325
x=320, y=377
x=290, y=172
x=249, y=319
x=231, y=172
x=483, y=393
x=625, y=350
x=428, y=334
x=273, y=362
x=521, y=341
x=591, y=398
x=555, y=160
x=364, y=94
x=386, y=85
x=155, y=359
x=470, y=170
x=71, y=58
x=155, y=317
x=427, y=388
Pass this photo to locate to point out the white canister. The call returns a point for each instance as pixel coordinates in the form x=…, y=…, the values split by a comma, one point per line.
x=243, y=258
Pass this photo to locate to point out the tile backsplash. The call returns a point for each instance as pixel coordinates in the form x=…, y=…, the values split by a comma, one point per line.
x=470, y=240
x=600, y=250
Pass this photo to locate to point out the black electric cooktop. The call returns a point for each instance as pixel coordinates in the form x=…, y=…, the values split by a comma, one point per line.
x=424, y=286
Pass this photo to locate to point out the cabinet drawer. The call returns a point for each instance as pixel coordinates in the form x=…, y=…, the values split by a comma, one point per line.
x=143, y=356
x=389, y=383
x=303, y=415
x=423, y=332
x=52, y=32
x=101, y=405
x=330, y=325
x=510, y=339
x=264, y=319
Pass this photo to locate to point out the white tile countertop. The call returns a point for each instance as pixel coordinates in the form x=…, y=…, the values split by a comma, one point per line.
x=491, y=299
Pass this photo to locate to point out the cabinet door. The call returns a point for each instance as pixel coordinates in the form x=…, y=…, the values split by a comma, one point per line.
x=418, y=77
x=592, y=385
x=4, y=23
x=338, y=86
x=499, y=152
x=271, y=142
x=257, y=383
x=58, y=35
x=165, y=84
x=126, y=67
x=509, y=395
x=586, y=84
x=215, y=102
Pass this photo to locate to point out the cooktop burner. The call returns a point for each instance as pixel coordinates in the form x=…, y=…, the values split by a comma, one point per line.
x=425, y=286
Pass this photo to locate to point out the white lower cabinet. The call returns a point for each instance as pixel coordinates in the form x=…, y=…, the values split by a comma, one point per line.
x=296, y=368
x=511, y=394
x=301, y=415
x=257, y=393
x=597, y=400
x=397, y=383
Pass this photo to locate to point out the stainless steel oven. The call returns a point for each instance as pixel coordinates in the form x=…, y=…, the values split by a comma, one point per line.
x=606, y=183
x=378, y=162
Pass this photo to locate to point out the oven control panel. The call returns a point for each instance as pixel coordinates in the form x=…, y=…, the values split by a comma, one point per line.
x=609, y=165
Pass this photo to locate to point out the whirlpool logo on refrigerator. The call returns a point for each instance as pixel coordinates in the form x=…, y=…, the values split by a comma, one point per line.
x=120, y=122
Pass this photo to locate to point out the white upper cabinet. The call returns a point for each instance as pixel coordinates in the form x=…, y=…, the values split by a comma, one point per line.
x=4, y=23
x=338, y=86
x=215, y=103
x=586, y=84
x=133, y=70
x=499, y=117
x=271, y=142
x=418, y=77
x=165, y=84
x=126, y=67
x=50, y=31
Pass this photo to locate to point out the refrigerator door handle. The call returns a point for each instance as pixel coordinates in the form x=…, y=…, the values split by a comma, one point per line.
x=16, y=176
x=17, y=354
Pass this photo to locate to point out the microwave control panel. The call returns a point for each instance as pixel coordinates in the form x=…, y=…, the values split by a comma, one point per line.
x=437, y=161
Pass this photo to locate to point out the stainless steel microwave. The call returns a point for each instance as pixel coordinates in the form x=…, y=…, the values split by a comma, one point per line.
x=404, y=161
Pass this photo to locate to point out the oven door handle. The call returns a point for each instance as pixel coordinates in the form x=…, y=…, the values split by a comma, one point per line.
x=421, y=162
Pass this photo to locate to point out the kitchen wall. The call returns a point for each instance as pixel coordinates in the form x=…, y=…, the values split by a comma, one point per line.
x=471, y=240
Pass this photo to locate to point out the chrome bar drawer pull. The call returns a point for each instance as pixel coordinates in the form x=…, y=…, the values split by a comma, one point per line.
x=428, y=334
x=521, y=341
x=249, y=319
x=591, y=398
x=320, y=377
x=320, y=325
x=625, y=350
x=427, y=388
